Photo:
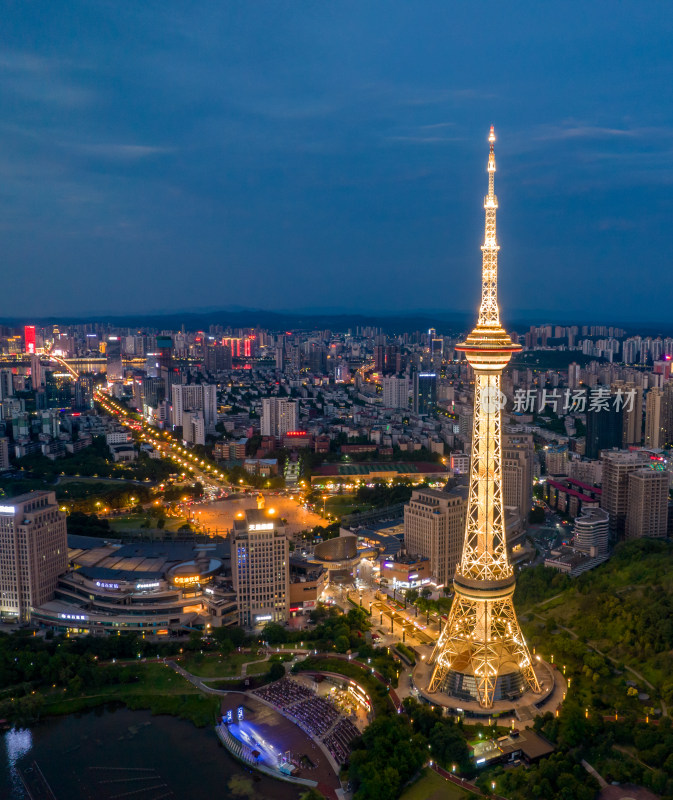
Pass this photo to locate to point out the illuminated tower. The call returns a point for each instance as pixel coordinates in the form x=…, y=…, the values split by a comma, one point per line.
x=481, y=653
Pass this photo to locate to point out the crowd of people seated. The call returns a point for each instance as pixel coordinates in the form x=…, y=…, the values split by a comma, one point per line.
x=315, y=715
x=338, y=741
x=284, y=693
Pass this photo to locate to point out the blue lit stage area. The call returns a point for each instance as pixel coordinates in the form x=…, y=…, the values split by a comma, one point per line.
x=298, y=729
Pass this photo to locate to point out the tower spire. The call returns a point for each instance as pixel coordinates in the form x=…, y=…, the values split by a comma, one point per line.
x=489, y=314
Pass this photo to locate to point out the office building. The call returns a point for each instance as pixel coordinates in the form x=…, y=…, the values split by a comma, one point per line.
x=279, y=416
x=425, y=392
x=33, y=552
x=617, y=464
x=195, y=397
x=604, y=429
x=591, y=532
x=260, y=566
x=434, y=527
x=396, y=393
x=647, y=504
x=113, y=358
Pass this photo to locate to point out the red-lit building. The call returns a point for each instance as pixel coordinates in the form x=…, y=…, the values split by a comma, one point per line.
x=29, y=339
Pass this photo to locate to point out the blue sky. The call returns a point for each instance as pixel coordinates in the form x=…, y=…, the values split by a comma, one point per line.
x=289, y=155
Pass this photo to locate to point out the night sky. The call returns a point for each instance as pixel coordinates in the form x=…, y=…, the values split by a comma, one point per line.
x=332, y=155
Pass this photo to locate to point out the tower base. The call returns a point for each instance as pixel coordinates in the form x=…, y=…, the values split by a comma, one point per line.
x=457, y=696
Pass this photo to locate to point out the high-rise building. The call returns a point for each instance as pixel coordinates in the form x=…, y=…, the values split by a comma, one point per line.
x=425, y=392
x=217, y=358
x=668, y=412
x=6, y=384
x=193, y=427
x=655, y=430
x=279, y=416
x=113, y=357
x=604, y=428
x=195, y=397
x=36, y=373
x=482, y=656
x=260, y=566
x=617, y=464
x=556, y=460
x=4, y=453
x=33, y=552
x=434, y=527
x=647, y=504
x=591, y=531
x=517, y=474
x=29, y=339
x=396, y=393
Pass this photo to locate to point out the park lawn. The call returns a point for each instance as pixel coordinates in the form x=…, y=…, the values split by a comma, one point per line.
x=127, y=521
x=343, y=504
x=257, y=668
x=212, y=666
x=432, y=786
x=160, y=689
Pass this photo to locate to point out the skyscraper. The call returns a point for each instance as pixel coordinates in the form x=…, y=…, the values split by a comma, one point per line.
x=33, y=552
x=195, y=397
x=425, y=392
x=481, y=654
x=113, y=357
x=605, y=428
x=260, y=566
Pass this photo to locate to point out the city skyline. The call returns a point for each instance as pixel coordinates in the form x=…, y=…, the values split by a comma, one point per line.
x=304, y=158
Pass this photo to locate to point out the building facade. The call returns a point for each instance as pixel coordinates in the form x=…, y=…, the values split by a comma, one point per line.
x=260, y=566
x=33, y=552
x=647, y=507
x=434, y=527
x=617, y=464
x=279, y=416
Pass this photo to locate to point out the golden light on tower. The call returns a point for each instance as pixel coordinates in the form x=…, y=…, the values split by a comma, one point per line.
x=481, y=652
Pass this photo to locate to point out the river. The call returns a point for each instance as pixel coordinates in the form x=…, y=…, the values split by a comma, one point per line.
x=117, y=754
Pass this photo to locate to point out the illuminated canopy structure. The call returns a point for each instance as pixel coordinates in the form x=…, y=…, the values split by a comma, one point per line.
x=481, y=654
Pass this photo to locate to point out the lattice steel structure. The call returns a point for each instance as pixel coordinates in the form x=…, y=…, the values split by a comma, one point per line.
x=481, y=653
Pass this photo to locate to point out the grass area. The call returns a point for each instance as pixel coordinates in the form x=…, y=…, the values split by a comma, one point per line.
x=159, y=689
x=431, y=786
x=343, y=504
x=622, y=609
x=126, y=522
x=257, y=668
x=65, y=479
x=212, y=666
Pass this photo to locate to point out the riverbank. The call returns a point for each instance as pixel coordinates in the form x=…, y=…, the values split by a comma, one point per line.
x=112, y=753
